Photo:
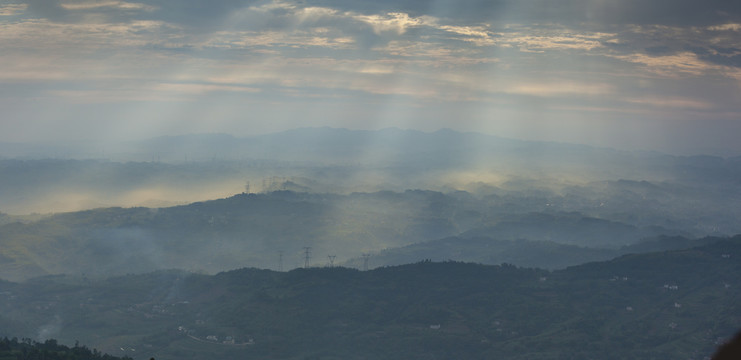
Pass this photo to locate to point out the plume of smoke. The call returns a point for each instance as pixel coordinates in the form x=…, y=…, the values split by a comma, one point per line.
x=50, y=329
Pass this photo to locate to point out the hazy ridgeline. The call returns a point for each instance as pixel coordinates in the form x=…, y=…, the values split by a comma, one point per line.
x=178, y=170
x=116, y=222
x=400, y=196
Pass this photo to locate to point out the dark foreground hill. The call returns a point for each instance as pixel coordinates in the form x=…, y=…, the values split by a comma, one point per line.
x=28, y=349
x=665, y=305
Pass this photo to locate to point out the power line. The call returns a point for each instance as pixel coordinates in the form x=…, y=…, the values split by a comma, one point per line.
x=365, y=261
x=307, y=256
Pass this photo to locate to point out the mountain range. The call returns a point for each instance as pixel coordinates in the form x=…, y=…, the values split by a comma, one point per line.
x=272, y=230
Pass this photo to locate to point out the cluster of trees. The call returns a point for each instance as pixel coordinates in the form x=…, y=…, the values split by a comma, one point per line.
x=27, y=349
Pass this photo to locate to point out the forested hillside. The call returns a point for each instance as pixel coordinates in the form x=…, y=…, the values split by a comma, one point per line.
x=255, y=229
x=668, y=305
x=27, y=349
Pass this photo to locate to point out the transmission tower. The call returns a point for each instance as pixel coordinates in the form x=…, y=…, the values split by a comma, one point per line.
x=307, y=256
x=331, y=260
x=365, y=261
x=280, y=261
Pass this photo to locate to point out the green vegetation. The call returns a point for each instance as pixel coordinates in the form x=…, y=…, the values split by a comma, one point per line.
x=27, y=349
x=663, y=305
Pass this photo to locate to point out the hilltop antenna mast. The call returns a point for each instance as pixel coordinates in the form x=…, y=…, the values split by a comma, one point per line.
x=280, y=261
x=307, y=256
x=331, y=260
x=247, y=188
x=365, y=261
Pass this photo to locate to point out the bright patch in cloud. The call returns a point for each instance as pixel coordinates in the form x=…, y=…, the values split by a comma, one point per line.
x=123, y=5
x=199, y=89
x=397, y=23
x=672, y=103
x=676, y=65
x=560, y=89
x=545, y=40
x=725, y=27
x=12, y=9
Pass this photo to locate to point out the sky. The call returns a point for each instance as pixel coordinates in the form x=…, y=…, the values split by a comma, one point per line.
x=651, y=74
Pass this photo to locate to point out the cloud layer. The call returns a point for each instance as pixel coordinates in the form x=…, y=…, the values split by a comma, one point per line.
x=624, y=74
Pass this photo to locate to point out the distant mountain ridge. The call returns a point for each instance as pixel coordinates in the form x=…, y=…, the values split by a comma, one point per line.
x=323, y=141
x=419, y=153
x=170, y=170
x=388, y=147
x=253, y=229
x=521, y=252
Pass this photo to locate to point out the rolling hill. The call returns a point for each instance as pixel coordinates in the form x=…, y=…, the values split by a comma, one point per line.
x=254, y=229
x=675, y=304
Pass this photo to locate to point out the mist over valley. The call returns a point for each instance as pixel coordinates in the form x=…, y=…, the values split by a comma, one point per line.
x=322, y=179
x=421, y=189
x=339, y=209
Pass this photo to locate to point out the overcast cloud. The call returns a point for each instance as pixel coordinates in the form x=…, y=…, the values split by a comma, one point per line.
x=659, y=75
